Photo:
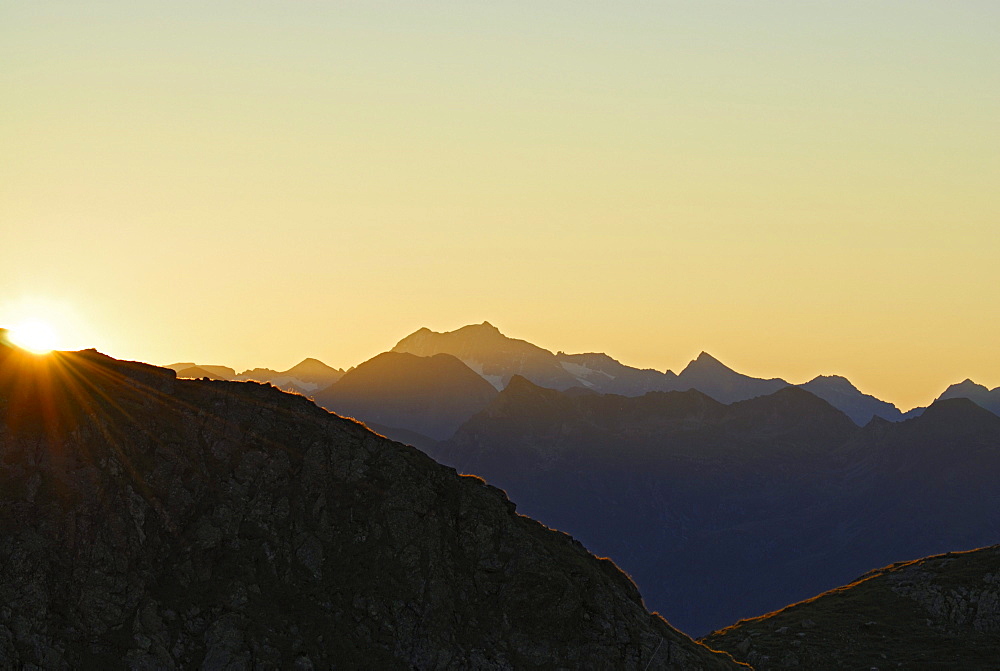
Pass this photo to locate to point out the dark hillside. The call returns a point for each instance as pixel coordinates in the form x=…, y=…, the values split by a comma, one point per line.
x=942, y=612
x=152, y=522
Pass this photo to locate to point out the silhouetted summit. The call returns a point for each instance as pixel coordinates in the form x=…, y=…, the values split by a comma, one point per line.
x=307, y=377
x=987, y=398
x=491, y=354
x=860, y=407
x=314, y=370
x=429, y=395
x=151, y=522
x=710, y=376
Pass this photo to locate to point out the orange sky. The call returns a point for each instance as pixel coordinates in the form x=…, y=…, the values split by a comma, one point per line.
x=797, y=188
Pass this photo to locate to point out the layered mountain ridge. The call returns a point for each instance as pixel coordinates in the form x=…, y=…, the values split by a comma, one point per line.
x=498, y=358
x=307, y=376
x=754, y=504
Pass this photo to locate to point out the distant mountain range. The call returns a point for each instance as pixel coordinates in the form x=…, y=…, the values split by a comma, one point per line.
x=497, y=358
x=306, y=377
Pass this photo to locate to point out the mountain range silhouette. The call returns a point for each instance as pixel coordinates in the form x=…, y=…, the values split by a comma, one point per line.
x=163, y=522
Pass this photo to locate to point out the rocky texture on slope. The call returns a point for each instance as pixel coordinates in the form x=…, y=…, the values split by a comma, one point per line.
x=942, y=612
x=407, y=397
x=159, y=523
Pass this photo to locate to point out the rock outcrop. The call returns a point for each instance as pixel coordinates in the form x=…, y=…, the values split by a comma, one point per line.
x=941, y=612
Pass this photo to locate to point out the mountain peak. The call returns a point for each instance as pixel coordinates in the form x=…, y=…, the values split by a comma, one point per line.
x=956, y=412
x=310, y=366
x=519, y=384
x=965, y=386
x=834, y=382
x=705, y=362
x=486, y=329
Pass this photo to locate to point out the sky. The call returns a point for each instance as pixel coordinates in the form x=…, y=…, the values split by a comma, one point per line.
x=798, y=188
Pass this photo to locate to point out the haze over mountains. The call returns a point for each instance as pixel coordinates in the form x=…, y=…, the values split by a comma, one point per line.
x=307, y=376
x=431, y=396
x=496, y=358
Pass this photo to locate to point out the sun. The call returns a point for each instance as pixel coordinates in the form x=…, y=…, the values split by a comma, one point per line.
x=33, y=335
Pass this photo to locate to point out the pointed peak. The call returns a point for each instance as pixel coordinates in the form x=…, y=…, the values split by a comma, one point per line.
x=877, y=422
x=311, y=366
x=520, y=384
x=706, y=362
x=309, y=361
x=966, y=386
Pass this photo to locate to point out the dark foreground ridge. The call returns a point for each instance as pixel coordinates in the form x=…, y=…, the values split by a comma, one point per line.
x=941, y=612
x=150, y=522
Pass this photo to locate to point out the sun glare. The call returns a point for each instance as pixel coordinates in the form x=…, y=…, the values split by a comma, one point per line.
x=33, y=335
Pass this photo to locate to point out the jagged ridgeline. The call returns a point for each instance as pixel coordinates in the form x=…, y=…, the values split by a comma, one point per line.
x=151, y=522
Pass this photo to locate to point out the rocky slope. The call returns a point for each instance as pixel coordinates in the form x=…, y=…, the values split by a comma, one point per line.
x=941, y=612
x=150, y=522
